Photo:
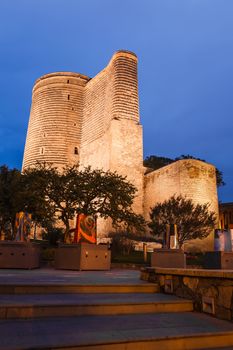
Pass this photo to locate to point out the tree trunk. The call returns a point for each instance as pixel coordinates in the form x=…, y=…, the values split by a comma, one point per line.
x=67, y=233
x=180, y=245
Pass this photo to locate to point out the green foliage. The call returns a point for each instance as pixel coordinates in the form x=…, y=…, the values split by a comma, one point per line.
x=94, y=192
x=192, y=220
x=53, y=235
x=10, y=198
x=155, y=162
x=48, y=254
x=23, y=192
x=50, y=195
x=135, y=258
x=121, y=244
x=35, y=184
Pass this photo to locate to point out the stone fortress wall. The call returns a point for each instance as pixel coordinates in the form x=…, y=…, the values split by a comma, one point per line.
x=188, y=177
x=111, y=132
x=96, y=122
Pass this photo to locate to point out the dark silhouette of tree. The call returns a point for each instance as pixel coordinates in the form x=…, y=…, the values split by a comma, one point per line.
x=156, y=162
x=87, y=191
x=35, y=184
x=10, y=198
x=192, y=220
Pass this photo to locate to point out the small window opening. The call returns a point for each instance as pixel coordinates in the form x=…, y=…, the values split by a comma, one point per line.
x=75, y=124
x=68, y=97
x=75, y=150
x=68, y=81
x=42, y=150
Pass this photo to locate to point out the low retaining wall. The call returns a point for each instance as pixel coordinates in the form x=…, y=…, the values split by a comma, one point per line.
x=210, y=290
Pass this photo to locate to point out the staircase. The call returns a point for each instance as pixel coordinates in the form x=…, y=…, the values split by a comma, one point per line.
x=88, y=311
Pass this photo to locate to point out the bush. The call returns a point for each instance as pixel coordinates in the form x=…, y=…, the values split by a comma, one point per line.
x=48, y=254
x=53, y=235
x=121, y=244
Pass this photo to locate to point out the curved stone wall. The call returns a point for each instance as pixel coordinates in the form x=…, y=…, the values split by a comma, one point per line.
x=54, y=130
x=111, y=94
x=189, y=177
x=111, y=132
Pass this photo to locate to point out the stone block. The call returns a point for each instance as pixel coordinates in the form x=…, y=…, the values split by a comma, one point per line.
x=168, y=258
x=83, y=256
x=191, y=283
x=225, y=296
x=19, y=255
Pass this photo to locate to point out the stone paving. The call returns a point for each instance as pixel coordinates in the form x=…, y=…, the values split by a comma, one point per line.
x=87, y=330
x=51, y=276
x=87, y=298
x=131, y=331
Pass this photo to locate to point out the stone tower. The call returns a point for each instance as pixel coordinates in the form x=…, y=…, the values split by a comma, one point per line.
x=95, y=121
x=54, y=130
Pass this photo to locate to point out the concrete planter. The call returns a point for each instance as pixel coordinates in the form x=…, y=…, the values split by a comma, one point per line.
x=19, y=255
x=83, y=256
x=168, y=258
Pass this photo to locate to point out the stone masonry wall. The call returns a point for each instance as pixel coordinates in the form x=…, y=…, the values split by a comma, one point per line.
x=111, y=133
x=191, y=178
x=210, y=290
x=55, y=120
x=96, y=122
x=110, y=95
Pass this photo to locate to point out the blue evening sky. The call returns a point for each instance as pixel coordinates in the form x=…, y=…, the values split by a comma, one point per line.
x=185, y=52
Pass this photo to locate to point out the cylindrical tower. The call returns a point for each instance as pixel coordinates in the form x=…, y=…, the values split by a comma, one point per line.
x=125, y=104
x=54, y=129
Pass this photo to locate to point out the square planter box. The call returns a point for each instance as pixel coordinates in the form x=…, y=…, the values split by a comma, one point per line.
x=218, y=260
x=82, y=256
x=19, y=255
x=168, y=258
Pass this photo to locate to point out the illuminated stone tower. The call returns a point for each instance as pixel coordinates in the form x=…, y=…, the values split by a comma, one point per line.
x=95, y=121
x=54, y=130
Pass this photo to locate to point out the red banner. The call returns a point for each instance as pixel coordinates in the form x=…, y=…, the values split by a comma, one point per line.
x=85, y=229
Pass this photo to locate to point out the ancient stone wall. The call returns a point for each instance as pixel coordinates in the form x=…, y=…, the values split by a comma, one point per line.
x=91, y=121
x=111, y=133
x=54, y=130
x=191, y=178
x=96, y=122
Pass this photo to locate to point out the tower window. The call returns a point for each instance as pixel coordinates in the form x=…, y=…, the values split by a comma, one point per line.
x=68, y=97
x=68, y=81
x=75, y=150
x=41, y=150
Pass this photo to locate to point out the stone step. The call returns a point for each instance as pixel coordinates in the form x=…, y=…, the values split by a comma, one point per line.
x=163, y=331
x=41, y=288
x=52, y=305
